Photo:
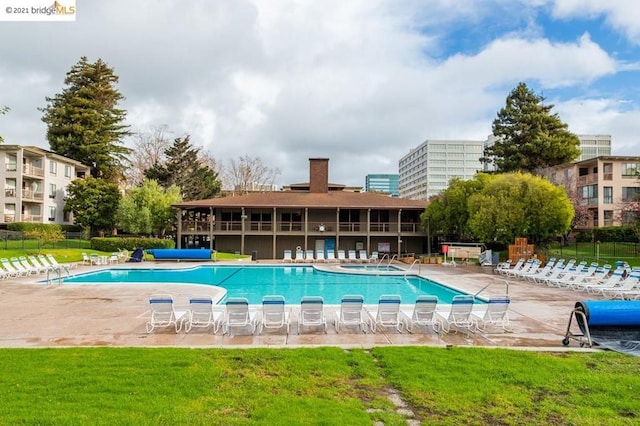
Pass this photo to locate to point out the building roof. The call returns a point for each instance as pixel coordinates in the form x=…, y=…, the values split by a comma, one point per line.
x=42, y=151
x=299, y=199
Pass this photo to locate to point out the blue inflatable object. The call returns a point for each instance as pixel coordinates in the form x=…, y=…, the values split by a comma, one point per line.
x=609, y=313
x=180, y=254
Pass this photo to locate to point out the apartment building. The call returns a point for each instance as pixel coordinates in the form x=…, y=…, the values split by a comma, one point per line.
x=384, y=183
x=609, y=186
x=427, y=169
x=592, y=146
x=35, y=182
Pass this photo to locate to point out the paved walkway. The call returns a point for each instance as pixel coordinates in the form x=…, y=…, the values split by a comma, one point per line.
x=33, y=314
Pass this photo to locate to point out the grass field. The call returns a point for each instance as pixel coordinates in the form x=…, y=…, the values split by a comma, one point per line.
x=138, y=386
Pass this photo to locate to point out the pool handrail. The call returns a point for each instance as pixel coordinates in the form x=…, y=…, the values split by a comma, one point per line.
x=410, y=267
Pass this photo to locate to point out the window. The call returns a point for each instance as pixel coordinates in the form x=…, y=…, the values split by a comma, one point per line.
x=607, y=195
x=52, y=214
x=608, y=171
x=583, y=171
x=67, y=171
x=630, y=170
x=630, y=193
x=53, y=167
x=52, y=190
x=10, y=187
x=12, y=162
x=66, y=216
x=590, y=194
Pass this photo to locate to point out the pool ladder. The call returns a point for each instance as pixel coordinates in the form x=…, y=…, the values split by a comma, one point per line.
x=58, y=271
x=412, y=265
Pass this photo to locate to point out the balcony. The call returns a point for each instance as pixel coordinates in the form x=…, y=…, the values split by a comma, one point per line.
x=9, y=218
x=587, y=179
x=31, y=218
x=31, y=170
x=30, y=195
x=10, y=192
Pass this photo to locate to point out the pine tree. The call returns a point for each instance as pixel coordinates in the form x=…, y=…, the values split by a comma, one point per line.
x=528, y=136
x=186, y=169
x=84, y=122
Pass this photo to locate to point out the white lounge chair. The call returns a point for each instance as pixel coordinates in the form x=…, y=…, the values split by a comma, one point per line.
x=341, y=257
x=320, y=256
x=459, y=314
x=502, y=267
x=17, y=266
x=351, y=256
x=387, y=313
x=163, y=313
x=373, y=257
x=287, y=257
x=495, y=313
x=312, y=313
x=362, y=256
x=299, y=256
x=26, y=265
x=36, y=264
x=202, y=314
x=422, y=314
x=8, y=270
x=308, y=256
x=351, y=313
x=611, y=281
x=85, y=259
x=626, y=289
x=331, y=256
x=238, y=315
x=274, y=314
x=52, y=260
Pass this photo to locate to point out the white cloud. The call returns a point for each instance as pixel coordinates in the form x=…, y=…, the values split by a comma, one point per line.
x=361, y=82
x=620, y=15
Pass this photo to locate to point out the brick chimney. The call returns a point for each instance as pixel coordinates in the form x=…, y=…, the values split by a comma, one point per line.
x=319, y=175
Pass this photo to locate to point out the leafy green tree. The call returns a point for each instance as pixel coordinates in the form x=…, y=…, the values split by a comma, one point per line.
x=3, y=111
x=529, y=136
x=84, y=122
x=519, y=205
x=94, y=203
x=185, y=168
x=448, y=212
x=146, y=209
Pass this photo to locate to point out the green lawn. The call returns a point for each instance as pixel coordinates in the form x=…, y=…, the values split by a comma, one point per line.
x=137, y=386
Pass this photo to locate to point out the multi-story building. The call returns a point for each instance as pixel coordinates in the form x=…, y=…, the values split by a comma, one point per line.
x=427, y=169
x=609, y=186
x=35, y=181
x=592, y=146
x=384, y=183
x=315, y=215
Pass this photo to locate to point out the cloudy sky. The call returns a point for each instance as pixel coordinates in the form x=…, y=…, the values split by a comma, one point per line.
x=360, y=81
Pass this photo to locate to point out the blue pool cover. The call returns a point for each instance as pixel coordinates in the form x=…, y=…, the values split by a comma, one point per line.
x=612, y=324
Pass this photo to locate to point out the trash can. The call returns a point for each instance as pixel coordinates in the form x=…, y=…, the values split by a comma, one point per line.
x=254, y=255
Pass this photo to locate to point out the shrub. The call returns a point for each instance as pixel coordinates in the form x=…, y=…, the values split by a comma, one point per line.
x=111, y=244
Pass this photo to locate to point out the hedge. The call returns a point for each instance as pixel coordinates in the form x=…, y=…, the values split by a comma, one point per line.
x=617, y=234
x=111, y=244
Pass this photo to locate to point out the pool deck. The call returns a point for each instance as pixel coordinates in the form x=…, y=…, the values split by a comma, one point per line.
x=34, y=314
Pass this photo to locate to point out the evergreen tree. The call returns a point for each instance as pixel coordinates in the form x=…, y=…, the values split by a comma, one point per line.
x=528, y=136
x=84, y=122
x=185, y=168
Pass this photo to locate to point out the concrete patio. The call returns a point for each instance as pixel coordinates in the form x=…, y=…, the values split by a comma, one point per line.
x=34, y=314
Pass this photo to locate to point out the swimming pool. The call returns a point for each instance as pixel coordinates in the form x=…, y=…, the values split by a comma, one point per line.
x=254, y=282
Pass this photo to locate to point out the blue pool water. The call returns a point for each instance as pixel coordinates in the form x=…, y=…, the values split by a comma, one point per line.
x=254, y=282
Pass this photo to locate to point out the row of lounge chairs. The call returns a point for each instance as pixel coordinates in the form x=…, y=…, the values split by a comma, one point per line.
x=273, y=314
x=24, y=266
x=349, y=256
x=619, y=283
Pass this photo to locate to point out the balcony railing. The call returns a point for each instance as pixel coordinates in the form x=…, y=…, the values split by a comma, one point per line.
x=29, y=169
x=11, y=167
x=10, y=192
x=29, y=195
x=587, y=179
x=317, y=228
x=9, y=218
x=31, y=218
